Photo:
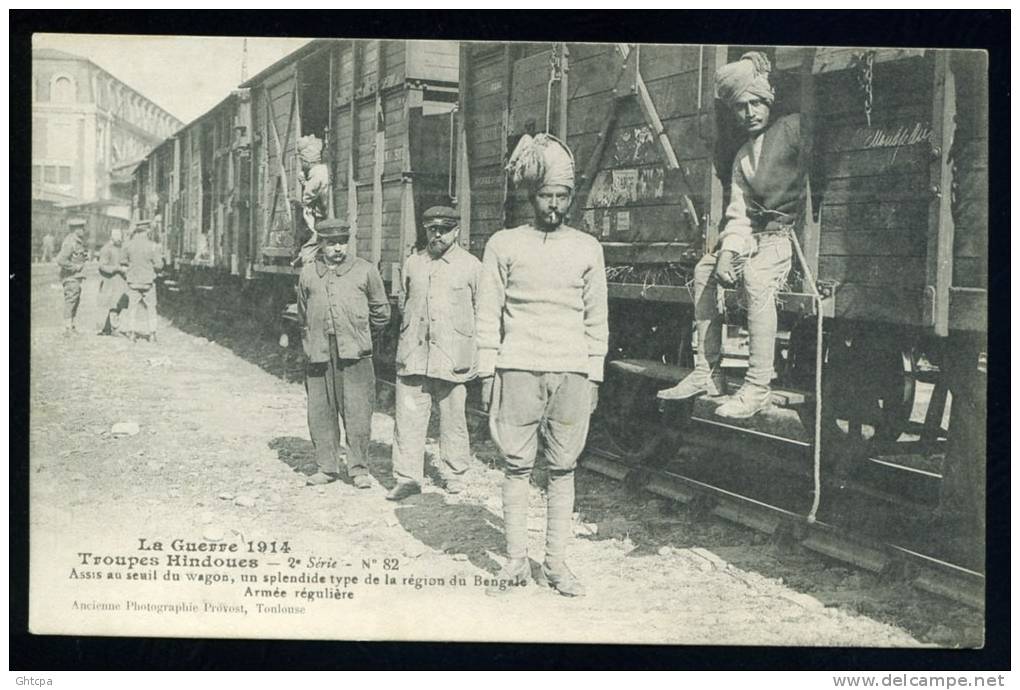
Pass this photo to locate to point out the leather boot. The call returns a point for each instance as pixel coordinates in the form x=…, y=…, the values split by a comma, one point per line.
x=747, y=402
x=558, y=533
x=706, y=377
x=514, y=574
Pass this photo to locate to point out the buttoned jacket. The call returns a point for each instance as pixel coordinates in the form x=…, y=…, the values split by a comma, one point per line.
x=437, y=330
x=347, y=300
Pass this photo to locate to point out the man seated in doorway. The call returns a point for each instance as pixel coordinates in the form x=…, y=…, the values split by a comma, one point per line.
x=341, y=301
x=754, y=249
x=315, y=190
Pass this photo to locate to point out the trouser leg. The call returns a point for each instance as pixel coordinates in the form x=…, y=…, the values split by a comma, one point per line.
x=150, y=308
x=413, y=409
x=764, y=274
x=323, y=427
x=517, y=410
x=708, y=320
x=454, y=444
x=564, y=432
x=134, y=304
x=72, y=297
x=356, y=408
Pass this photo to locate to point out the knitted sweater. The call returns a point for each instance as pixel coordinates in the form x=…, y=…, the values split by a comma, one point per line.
x=546, y=293
x=766, y=177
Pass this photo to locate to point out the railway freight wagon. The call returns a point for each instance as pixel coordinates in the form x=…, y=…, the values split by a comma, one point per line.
x=227, y=186
x=877, y=416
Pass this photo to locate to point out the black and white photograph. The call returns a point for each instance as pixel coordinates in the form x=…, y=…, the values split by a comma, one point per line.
x=383, y=339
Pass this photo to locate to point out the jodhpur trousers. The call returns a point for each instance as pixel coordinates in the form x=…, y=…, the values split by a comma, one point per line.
x=557, y=407
x=760, y=276
x=414, y=408
x=344, y=389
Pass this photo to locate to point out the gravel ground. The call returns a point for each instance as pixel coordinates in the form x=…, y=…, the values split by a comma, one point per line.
x=220, y=457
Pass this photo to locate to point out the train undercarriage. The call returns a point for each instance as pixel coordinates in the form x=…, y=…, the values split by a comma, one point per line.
x=901, y=460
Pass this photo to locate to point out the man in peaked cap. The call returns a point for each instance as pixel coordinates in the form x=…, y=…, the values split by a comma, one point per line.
x=341, y=302
x=754, y=249
x=436, y=354
x=71, y=261
x=542, y=338
x=143, y=259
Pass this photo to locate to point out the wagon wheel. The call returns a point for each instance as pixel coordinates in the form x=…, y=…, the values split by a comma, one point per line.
x=868, y=384
x=630, y=415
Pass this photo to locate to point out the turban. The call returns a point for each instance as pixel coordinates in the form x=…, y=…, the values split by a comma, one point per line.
x=309, y=148
x=749, y=74
x=541, y=160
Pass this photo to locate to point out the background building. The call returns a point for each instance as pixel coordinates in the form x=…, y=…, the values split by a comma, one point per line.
x=86, y=124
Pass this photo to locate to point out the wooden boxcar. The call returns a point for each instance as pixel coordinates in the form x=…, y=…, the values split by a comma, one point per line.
x=889, y=184
x=226, y=187
x=894, y=234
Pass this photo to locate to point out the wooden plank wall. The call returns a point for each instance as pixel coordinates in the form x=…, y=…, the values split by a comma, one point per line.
x=875, y=198
x=634, y=197
x=970, y=157
x=650, y=210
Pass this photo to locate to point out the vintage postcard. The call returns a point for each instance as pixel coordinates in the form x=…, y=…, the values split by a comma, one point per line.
x=370, y=339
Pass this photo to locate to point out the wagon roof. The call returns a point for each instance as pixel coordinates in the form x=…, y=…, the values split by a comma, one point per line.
x=301, y=52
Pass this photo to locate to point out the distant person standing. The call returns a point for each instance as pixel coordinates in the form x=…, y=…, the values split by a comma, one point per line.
x=49, y=243
x=113, y=288
x=71, y=261
x=436, y=355
x=143, y=260
x=341, y=301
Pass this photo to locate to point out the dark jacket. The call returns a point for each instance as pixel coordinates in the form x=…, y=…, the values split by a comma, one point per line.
x=143, y=259
x=72, y=258
x=348, y=300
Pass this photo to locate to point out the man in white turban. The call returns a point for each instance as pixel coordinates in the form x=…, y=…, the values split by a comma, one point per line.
x=542, y=340
x=754, y=250
x=315, y=190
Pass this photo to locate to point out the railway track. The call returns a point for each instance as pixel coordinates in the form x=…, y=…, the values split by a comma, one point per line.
x=890, y=560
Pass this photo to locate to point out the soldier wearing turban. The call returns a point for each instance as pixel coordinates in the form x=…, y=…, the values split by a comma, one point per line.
x=754, y=250
x=542, y=341
x=315, y=190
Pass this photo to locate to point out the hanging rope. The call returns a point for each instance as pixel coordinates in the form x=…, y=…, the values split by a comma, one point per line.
x=819, y=346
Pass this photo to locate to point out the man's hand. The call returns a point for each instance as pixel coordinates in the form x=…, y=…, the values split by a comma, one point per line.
x=594, y=396
x=724, y=270
x=487, y=393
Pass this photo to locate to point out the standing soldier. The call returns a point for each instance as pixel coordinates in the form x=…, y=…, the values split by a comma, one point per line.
x=754, y=249
x=71, y=261
x=436, y=354
x=143, y=260
x=341, y=301
x=543, y=330
x=113, y=287
x=315, y=188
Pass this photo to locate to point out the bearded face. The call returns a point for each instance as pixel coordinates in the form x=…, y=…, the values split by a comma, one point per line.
x=441, y=238
x=550, y=204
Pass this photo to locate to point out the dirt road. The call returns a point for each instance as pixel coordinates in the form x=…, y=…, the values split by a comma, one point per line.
x=219, y=462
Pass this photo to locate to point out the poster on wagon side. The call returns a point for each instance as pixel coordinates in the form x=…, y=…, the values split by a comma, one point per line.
x=380, y=339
